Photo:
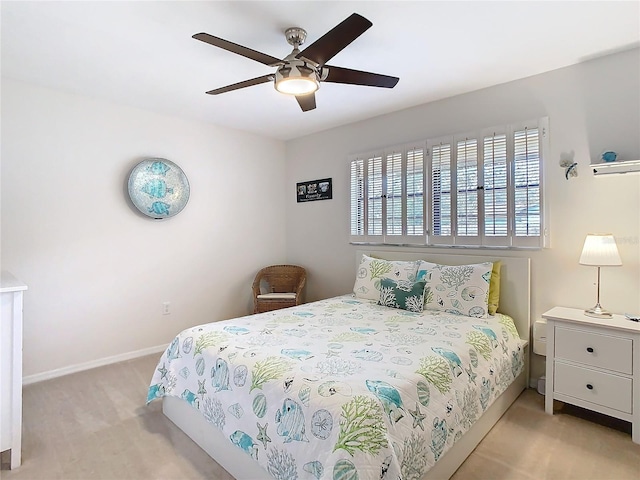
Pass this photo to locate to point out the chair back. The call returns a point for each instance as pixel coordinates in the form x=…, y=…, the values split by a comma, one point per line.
x=280, y=279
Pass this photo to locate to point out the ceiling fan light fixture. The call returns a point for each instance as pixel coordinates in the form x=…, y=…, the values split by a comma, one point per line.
x=300, y=73
x=297, y=86
x=296, y=78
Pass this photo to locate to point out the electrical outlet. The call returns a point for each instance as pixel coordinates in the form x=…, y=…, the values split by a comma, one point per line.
x=166, y=308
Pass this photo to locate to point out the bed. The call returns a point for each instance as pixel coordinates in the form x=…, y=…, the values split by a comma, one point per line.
x=346, y=388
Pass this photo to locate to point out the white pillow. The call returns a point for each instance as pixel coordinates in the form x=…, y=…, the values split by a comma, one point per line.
x=372, y=270
x=457, y=289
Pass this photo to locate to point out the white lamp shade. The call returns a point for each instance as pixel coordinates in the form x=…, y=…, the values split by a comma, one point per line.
x=600, y=250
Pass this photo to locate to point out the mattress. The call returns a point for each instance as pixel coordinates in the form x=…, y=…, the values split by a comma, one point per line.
x=342, y=388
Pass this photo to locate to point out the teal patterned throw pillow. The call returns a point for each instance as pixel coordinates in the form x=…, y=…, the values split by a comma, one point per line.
x=403, y=294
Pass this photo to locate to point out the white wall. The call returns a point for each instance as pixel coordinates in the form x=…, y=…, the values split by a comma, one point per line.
x=591, y=107
x=98, y=270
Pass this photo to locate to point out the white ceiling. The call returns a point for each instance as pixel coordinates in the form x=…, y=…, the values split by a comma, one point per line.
x=141, y=53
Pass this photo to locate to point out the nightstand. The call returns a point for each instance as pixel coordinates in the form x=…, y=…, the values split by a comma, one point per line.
x=594, y=363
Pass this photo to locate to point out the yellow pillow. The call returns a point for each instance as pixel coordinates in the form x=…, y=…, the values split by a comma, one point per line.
x=494, y=288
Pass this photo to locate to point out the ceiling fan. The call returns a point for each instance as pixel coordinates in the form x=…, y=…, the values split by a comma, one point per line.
x=301, y=72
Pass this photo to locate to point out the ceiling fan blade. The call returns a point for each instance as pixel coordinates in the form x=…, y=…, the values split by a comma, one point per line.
x=332, y=42
x=235, y=48
x=358, y=77
x=246, y=83
x=307, y=102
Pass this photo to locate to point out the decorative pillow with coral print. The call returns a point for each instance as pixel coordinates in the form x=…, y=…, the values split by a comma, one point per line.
x=459, y=289
x=372, y=270
x=402, y=294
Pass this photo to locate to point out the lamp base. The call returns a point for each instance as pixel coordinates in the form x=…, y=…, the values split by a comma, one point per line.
x=598, y=312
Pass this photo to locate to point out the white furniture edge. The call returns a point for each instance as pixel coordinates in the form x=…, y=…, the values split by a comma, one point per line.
x=10, y=284
x=515, y=300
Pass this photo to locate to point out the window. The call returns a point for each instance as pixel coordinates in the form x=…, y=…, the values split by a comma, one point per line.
x=415, y=192
x=374, y=203
x=494, y=170
x=357, y=198
x=467, y=187
x=393, y=194
x=480, y=188
x=441, y=191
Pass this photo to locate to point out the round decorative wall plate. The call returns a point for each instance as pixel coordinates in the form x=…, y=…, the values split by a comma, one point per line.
x=158, y=188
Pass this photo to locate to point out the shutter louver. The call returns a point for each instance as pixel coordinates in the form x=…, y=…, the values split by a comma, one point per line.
x=527, y=182
x=357, y=198
x=415, y=192
x=394, y=194
x=374, y=196
x=441, y=190
x=467, y=188
x=495, y=186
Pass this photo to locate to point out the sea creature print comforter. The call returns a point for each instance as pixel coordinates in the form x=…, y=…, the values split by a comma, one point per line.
x=342, y=388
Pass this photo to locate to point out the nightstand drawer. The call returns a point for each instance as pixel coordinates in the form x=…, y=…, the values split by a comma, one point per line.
x=604, y=389
x=594, y=349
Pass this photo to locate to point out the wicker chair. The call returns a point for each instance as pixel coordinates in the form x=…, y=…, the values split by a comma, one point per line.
x=278, y=286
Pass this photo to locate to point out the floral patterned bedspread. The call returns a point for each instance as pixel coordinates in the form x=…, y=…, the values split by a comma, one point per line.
x=342, y=388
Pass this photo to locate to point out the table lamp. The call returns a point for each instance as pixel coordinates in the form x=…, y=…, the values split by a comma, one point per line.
x=599, y=250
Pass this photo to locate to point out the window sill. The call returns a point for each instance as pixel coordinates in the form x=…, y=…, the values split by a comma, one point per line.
x=455, y=247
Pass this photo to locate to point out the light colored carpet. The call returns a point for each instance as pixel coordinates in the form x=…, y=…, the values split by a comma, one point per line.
x=94, y=425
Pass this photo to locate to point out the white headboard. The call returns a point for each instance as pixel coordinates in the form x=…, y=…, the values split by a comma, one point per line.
x=515, y=278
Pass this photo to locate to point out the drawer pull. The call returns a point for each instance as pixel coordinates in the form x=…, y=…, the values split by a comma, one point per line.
x=590, y=349
x=589, y=386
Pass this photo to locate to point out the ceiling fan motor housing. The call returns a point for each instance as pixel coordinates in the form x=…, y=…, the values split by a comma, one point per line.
x=295, y=36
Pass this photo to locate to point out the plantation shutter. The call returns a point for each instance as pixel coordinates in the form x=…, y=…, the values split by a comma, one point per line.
x=480, y=188
x=393, y=194
x=415, y=207
x=374, y=192
x=527, y=188
x=466, y=200
x=441, y=227
x=357, y=222
x=496, y=196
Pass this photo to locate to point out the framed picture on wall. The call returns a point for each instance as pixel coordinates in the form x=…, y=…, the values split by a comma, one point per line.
x=314, y=190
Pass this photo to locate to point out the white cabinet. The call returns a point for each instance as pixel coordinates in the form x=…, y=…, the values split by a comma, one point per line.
x=11, y=291
x=594, y=363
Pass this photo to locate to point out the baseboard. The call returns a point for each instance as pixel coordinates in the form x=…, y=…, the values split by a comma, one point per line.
x=59, y=372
